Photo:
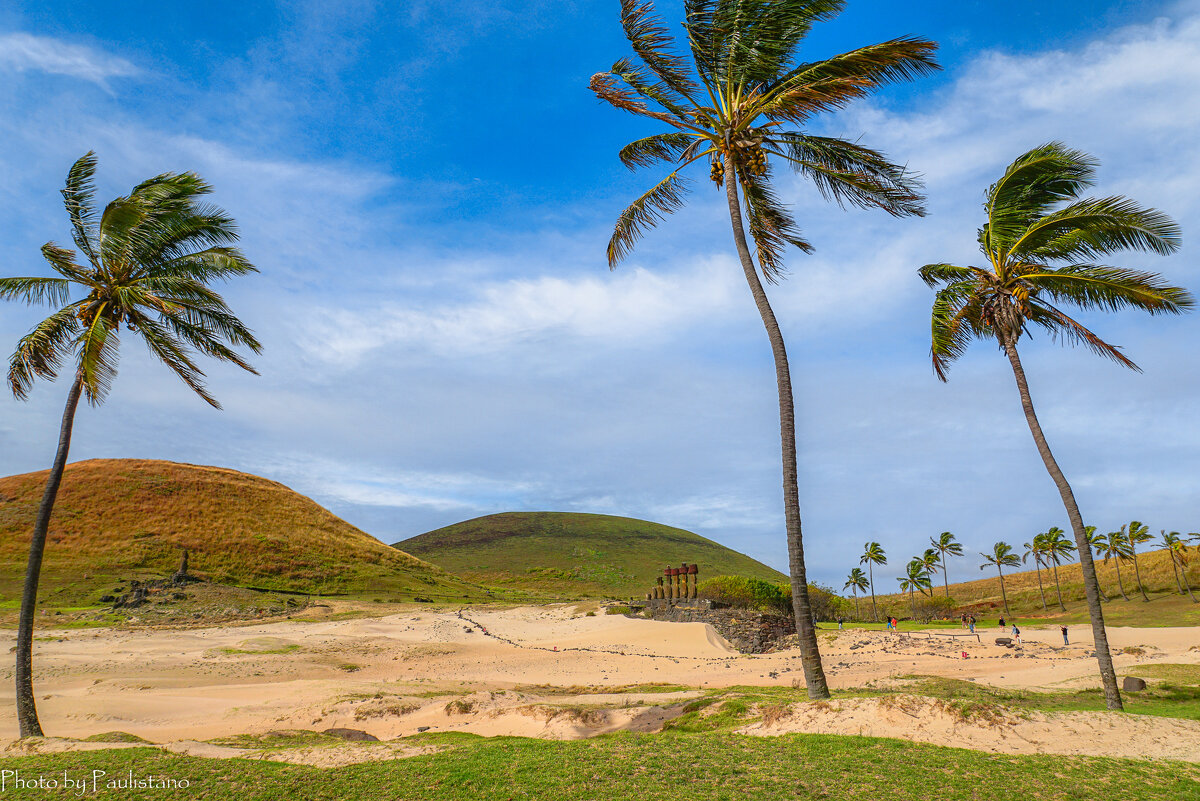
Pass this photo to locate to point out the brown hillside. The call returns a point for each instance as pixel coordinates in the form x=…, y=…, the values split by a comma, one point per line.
x=119, y=515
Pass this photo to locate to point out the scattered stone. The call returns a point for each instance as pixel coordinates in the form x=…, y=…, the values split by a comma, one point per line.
x=1131, y=684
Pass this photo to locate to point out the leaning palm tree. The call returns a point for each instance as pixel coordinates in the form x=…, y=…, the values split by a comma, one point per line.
x=147, y=261
x=1116, y=547
x=1059, y=550
x=1037, y=550
x=931, y=559
x=916, y=577
x=1177, y=550
x=1137, y=533
x=946, y=544
x=873, y=554
x=728, y=106
x=1001, y=557
x=1097, y=543
x=856, y=582
x=1041, y=256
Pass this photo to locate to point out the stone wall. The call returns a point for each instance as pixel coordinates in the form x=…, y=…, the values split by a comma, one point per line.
x=748, y=631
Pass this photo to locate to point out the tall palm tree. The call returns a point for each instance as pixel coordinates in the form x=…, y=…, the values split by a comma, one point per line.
x=856, y=582
x=1177, y=549
x=1059, y=550
x=946, y=544
x=1001, y=557
x=1137, y=533
x=916, y=577
x=147, y=261
x=1097, y=543
x=727, y=106
x=931, y=560
x=1037, y=549
x=1040, y=256
x=1116, y=547
x=873, y=554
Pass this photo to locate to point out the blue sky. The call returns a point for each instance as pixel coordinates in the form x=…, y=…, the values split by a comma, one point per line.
x=427, y=189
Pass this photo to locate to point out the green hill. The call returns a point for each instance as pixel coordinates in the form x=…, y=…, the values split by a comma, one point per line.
x=561, y=554
x=122, y=519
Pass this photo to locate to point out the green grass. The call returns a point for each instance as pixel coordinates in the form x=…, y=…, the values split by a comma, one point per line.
x=643, y=768
x=566, y=555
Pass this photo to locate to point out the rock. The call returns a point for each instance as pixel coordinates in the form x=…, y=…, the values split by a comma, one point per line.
x=353, y=735
x=107, y=599
x=1131, y=684
x=422, y=728
x=1005, y=641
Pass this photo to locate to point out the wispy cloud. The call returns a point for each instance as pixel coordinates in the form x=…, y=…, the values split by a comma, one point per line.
x=23, y=51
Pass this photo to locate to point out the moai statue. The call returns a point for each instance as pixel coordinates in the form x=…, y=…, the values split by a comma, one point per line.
x=658, y=589
x=672, y=583
x=694, y=570
x=684, y=592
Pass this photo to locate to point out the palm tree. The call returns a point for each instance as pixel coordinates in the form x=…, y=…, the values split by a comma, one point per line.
x=1116, y=547
x=916, y=577
x=1137, y=533
x=931, y=560
x=726, y=107
x=1096, y=543
x=1037, y=549
x=1176, y=547
x=946, y=544
x=1058, y=550
x=856, y=582
x=148, y=260
x=1024, y=237
x=1001, y=557
x=873, y=554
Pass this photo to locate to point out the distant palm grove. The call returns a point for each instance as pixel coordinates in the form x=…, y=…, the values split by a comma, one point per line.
x=732, y=100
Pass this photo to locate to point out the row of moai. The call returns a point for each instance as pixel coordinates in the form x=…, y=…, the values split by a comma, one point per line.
x=677, y=585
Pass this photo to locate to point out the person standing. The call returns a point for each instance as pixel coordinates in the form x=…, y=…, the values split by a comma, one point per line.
x=1002, y=622
x=1016, y=633
x=1063, y=629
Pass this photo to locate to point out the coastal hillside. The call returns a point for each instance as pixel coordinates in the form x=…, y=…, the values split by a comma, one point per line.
x=561, y=554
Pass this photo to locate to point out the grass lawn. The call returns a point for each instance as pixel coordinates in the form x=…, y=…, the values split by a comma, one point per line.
x=639, y=767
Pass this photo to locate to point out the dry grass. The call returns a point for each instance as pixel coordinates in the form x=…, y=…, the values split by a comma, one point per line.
x=129, y=518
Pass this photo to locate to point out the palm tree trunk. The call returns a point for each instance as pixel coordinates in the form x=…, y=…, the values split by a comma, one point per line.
x=912, y=600
x=945, y=576
x=810, y=655
x=1058, y=588
x=1175, y=570
x=1120, y=582
x=1186, y=585
x=1091, y=586
x=27, y=717
x=856, y=615
x=1138, y=572
x=1037, y=563
x=874, y=610
x=1003, y=594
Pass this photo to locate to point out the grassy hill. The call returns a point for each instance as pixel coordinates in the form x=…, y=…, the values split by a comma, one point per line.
x=561, y=554
x=122, y=519
x=1166, y=605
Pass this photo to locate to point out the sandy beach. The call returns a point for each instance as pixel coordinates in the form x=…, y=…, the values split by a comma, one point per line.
x=544, y=672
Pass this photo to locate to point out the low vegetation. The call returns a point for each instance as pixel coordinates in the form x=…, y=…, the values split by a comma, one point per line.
x=566, y=555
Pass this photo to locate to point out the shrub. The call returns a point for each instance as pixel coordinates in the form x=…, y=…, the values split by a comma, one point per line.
x=747, y=593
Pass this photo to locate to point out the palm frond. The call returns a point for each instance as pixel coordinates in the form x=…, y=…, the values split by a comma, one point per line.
x=654, y=46
x=170, y=353
x=934, y=274
x=52, y=291
x=834, y=82
x=605, y=88
x=99, y=344
x=63, y=263
x=1060, y=325
x=852, y=174
x=653, y=149
x=78, y=197
x=1034, y=182
x=1098, y=286
x=41, y=352
x=1098, y=227
x=955, y=321
x=646, y=212
x=771, y=226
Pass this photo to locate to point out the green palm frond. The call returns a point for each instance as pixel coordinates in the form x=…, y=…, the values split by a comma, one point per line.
x=52, y=291
x=654, y=46
x=41, y=352
x=1031, y=185
x=646, y=212
x=771, y=227
x=78, y=198
x=1095, y=227
x=99, y=344
x=851, y=174
x=63, y=263
x=1061, y=326
x=1098, y=286
x=653, y=149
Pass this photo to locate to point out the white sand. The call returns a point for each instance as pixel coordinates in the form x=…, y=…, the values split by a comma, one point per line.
x=170, y=686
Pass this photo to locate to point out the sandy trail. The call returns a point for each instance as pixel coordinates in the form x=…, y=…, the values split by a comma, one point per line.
x=395, y=675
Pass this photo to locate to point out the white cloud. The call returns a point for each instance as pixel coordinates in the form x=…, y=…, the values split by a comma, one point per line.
x=23, y=51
